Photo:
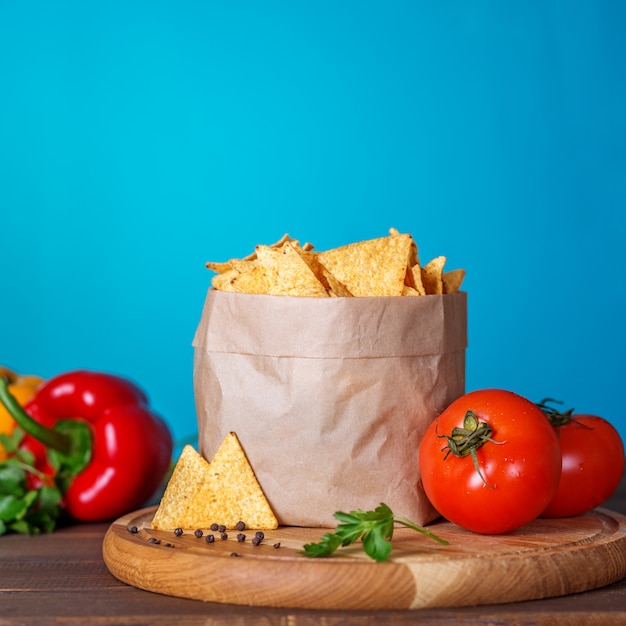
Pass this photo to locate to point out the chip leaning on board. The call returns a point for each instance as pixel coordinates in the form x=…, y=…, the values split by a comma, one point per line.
x=387, y=266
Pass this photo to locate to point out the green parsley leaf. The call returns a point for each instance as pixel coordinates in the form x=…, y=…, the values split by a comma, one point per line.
x=23, y=509
x=328, y=544
x=374, y=528
x=12, y=477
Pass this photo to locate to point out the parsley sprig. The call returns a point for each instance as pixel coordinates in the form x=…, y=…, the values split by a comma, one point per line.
x=374, y=528
x=25, y=508
x=31, y=502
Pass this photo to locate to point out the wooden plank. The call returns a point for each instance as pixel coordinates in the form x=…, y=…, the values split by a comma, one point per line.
x=546, y=558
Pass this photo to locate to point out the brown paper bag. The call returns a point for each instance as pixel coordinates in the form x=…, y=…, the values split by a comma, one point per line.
x=329, y=396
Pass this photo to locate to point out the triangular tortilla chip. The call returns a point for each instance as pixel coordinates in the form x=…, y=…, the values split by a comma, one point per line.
x=336, y=288
x=185, y=491
x=219, y=267
x=239, y=495
x=311, y=259
x=414, y=279
x=224, y=280
x=432, y=276
x=452, y=280
x=288, y=273
x=224, y=491
x=376, y=267
x=252, y=280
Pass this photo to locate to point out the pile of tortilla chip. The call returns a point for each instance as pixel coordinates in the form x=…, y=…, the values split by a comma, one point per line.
x=387, y=266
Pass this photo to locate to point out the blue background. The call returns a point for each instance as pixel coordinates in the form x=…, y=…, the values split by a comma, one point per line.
x=139, y=140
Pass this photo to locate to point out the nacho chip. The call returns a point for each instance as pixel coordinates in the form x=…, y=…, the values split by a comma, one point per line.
x=219, y=267
x=276, y=244
x=224, y=491
x=414, y=279
x=243, y=265
x=413, y=260
x=223, y=266
x=312, y=260
x=388, y=266
x=432, y=276
x=240, y=497
x=376, y=267
x=336, y=288
x=287, y=272
x=244, y=276
x=183, y=502
x=452, y=280
x=224, y=280
x=253, y=280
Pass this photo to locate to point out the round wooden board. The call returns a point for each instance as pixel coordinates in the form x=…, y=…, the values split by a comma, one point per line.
x=545, y=558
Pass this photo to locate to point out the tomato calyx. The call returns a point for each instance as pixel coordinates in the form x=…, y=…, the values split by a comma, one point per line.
x=465, y=440
x=558, y=418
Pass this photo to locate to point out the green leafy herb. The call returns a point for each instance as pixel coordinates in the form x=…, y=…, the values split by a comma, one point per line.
x=374, y=528
x=31, y=501
x=24, y=508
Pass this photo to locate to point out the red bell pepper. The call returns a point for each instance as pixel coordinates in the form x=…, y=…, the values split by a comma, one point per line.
x=122, y=450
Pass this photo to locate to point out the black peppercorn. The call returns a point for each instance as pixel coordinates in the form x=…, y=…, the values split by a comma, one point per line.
x=198, y=533
x=241, y=537
x=224, y=535
x=240, y=526
x=178, y=532
x=214, y=527
x=210, y=538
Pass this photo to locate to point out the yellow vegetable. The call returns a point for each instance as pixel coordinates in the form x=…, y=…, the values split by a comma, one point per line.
x=23, y=387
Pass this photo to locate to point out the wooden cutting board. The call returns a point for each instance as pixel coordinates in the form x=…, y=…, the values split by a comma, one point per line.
x=545, y=558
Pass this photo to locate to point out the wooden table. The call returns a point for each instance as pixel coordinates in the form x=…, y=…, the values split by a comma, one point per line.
x=61, y=579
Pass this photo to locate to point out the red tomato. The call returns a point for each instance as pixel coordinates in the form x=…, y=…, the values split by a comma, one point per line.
x=592, y=466
x=517, y=467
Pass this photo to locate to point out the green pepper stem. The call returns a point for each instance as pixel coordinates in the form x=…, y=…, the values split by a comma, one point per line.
x=48, y=436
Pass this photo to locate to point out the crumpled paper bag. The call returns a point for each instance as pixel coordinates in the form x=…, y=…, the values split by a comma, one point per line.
x=329, y=397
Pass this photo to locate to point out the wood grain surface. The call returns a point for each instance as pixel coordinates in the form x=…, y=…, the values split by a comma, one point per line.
x=544, y=559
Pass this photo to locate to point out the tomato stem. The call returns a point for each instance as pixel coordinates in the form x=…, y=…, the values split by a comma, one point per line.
x=465, y=440
x=558, y=418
